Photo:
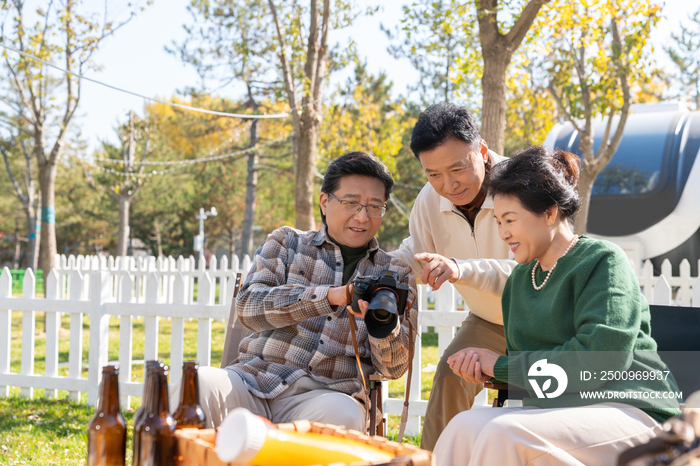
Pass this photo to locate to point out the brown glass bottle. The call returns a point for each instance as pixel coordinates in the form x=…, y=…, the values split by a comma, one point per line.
x=146, y=389
x=138, y=415
x=189, y=413
x=157, y=444
x=107, y=430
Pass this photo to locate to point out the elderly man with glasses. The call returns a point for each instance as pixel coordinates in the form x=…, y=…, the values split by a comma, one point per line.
x=298, y=361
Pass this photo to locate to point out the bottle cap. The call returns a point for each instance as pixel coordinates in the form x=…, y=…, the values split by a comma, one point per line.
x=240, y=436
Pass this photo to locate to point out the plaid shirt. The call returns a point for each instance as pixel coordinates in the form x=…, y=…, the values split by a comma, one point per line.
x=296, y=332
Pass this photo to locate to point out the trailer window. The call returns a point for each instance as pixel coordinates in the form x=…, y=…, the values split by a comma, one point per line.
x=636, y=166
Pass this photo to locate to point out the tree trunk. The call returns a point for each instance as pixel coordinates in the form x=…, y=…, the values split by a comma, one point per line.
x=32, y=244
x=232, y=244
x=159, y=239
x=251, y=190
x=306, y=127
x=28, y=205
x=493, y=106
x=47, y=252
x=497, y=49
x=585, y=189
x=123, y=234
x=18, y=249
x=306, y=172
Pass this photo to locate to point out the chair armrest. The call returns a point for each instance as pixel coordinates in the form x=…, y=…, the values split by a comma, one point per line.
x=496, y=386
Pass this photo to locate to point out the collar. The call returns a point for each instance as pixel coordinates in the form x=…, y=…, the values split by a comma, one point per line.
x=321, y=236
x=447, y=205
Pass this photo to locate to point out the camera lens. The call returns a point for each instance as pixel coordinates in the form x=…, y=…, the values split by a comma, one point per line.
x=381, y=313
x=381, y=316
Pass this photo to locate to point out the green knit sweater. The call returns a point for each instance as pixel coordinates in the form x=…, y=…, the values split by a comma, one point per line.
x=592, y=317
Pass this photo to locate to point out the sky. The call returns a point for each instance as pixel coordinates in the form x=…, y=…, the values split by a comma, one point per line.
x=135, y=59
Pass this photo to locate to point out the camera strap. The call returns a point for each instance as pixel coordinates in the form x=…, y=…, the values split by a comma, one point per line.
x=349, y=288
x=353, y=333
x=409, y=374
x=411, y=349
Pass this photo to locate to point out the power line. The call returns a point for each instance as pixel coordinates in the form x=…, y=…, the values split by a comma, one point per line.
x=412, y=186
x=184, y=107
x=174, y=162
x=400, y=206
x=198, y=160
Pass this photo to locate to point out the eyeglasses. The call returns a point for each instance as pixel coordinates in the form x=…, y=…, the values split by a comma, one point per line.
x=354, y=207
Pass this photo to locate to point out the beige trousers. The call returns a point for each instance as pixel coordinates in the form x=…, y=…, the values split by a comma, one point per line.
x=451, y=394
x=222, y=390
x=583, y=436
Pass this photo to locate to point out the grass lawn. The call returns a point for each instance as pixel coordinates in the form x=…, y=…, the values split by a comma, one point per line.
x=46, y=431
x=42, y=431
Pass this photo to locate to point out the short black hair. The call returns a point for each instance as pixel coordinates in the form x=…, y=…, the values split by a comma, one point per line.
x=440, y=122
x=539, y=178
x=355, y=163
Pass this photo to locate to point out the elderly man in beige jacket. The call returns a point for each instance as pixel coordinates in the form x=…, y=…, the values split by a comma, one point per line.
x=454, y=238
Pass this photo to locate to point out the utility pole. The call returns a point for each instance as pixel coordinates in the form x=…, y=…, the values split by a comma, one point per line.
x=199, y=239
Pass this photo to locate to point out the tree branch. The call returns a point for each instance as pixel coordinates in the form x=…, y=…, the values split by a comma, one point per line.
x=322, y=56
x=488, y=22
x=519, y=30
x=32, y=99
x=90, y=180
x=562, y=109
x=624, y=113
x=288, y=79
x=312, y=48
x=15, y=126
x=145, y=153
x=15, y=184
x=606, y=133
x=71, y=102
x=46, y=26
x=29, y=181
x=22, y=93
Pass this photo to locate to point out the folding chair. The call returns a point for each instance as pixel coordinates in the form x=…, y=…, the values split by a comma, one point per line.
x=375, y=400
x=675, y=329
x=235, y=331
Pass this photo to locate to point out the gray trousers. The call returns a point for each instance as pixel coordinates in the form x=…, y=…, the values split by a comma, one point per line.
x=222, y=390
x=451, y=394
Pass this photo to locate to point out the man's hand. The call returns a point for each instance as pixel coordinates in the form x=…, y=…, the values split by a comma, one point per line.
x=475, y=365
x=362, y=311
x=437, y=270
x=337, y=296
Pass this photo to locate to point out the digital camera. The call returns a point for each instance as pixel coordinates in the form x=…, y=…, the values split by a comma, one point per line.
x=387, y=301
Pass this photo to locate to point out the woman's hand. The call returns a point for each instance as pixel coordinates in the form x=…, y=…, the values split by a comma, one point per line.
x=475, y=365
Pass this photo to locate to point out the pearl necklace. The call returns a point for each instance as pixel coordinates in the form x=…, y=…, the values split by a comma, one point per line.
x=534, y=269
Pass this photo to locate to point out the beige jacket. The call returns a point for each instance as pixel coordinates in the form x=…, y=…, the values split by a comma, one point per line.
x=485, y=261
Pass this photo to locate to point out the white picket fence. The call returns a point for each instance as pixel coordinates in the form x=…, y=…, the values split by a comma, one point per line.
x=163, y=288
x=99, y=288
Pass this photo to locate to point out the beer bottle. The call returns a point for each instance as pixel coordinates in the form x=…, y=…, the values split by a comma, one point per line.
x=146, y=391
x=138, y=415
x=189, y=413
x=157, y=443
x=107, y=430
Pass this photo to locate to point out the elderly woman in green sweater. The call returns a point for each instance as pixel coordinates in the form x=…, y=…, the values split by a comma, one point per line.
x=575, y=323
